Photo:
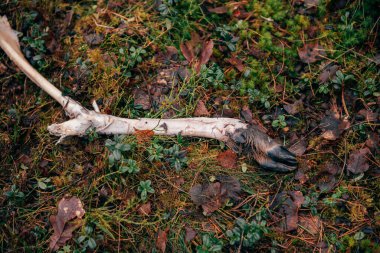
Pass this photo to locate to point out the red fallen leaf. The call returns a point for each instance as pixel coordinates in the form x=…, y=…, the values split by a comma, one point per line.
x=287, y=204
x=357, y=162
x=162, y=239
x=201, y=110
x=237, y=63
x=299, y=148
x=311, y=52
x=190, y=234
x=373, y=141
x=143, y=136
x=205, y=54
x=63, y=223
x=300, y=176
x=145, y=209
x=212, y=196
x=227, y=159
x=218, y=10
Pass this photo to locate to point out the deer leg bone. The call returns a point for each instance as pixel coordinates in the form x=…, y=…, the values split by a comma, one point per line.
x=241, y=137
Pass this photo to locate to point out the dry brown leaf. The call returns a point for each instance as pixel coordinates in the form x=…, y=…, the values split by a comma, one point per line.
x=190, y=234
x=212, y=196
x=227, y=159
x=63, y=223
x=368, y=115
x=145, y=209
x=357, y=162
x=294, y=108
x=142, y=99
x=237, y=63
x=311, y=52
x=328, y=73
x=333, y=125
x=187, y=51
x=206, y=53
x=94, y=39
x=218, y=10
x=310, y=224
x=162, y=239
x=246, y=114
x=201, y=110
x=287, y=204
x=143, y=136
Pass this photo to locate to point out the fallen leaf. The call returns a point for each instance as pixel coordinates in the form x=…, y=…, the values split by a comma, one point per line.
x=294, y=108
x=94, y=39
x=246, y=114
x=328, y=73
x=201, y=110
x=142, y=99
x=333, y=125
x=326, y=182
x=3, y=68
x=212, y=196
x=237, y=63
x=143, y=136
x=368, y=115
x=63, y=223
x=145, y=209
x=190, y=234
x=310, y=224
x=311, y=52
x=373, y=141
x=162, y=239
x=218, y=10
x=300, y=176
x=187, y=51
x=357, y=161
x=299, y=148
x=287, y=204
x=227, y=159
x=205, y=54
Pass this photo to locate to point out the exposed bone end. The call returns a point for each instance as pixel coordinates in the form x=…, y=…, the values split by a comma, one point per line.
x=258, y=146
x=77, y=126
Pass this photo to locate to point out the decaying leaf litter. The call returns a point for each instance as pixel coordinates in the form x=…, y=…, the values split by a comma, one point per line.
x=268, y=57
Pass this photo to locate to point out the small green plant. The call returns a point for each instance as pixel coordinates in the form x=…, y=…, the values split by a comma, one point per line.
x=210, y=244
x=279, y=122
x=212, y=76
x=116, y=147
x=247, y=233
x=130, y=58
x=129, y=165
x=176, y=157
x=14, y=195
x=145, y=188
x=44, y=183
x=87, y=241
x=155, y=152
x=92, y=134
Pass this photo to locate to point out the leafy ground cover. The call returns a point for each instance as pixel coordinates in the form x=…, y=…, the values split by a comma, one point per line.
x=305, y=71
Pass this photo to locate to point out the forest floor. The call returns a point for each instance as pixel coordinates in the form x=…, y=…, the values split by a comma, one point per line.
x=305, y=71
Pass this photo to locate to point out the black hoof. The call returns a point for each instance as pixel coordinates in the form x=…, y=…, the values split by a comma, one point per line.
x=282, y=155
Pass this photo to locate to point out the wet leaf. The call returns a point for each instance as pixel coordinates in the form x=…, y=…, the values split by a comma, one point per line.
x=162, y=239
x=311, y=53
x=357, y=161
x=201, y=110
x=227, y=159
x=69, y=218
